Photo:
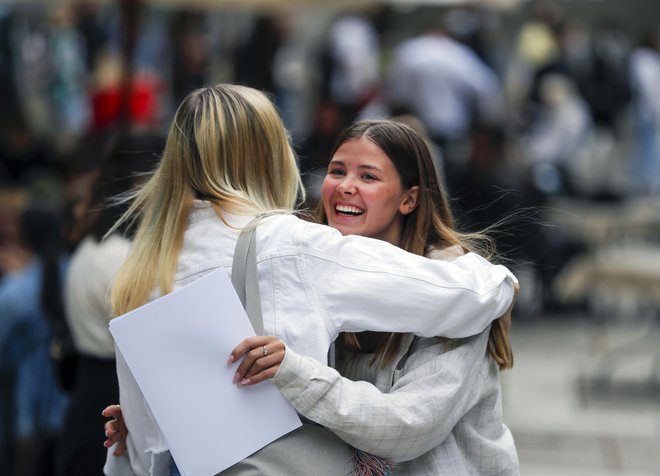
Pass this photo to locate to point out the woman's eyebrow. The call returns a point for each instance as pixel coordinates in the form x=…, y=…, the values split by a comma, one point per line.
x=362, y=166
x=369, y=167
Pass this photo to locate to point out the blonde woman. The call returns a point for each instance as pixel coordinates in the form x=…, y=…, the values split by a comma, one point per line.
x=228, y=159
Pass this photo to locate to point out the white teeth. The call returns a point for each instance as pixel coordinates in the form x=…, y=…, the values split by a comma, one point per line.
x=349, y=209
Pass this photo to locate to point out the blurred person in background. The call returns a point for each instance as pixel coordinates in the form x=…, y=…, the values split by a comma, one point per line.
x=190, y=53
x=107, y=92
x=67, y=79
x=536, y=45
x=446, y=85
x=30, y=305
x=559, y=136
x=608, y=86
x=350, y=62
x=644, y=81
x=254, y=59
x=94, y=264
x=350, y=80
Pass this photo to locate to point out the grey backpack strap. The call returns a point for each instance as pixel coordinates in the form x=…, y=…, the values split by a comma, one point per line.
x=244, y=275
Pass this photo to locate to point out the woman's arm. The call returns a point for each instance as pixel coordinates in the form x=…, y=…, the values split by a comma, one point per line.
x=365, y=284
x=438, y=387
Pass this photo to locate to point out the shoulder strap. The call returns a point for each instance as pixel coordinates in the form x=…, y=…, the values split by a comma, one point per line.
x=244, y=279
x=244, y=274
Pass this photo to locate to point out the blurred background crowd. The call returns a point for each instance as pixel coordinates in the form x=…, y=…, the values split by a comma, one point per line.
x=544, y=116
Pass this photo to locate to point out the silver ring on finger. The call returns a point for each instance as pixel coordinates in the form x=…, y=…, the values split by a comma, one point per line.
x=264, y=351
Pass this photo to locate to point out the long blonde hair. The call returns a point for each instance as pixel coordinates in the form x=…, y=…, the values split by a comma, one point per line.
x=226, y=145
x=429, y=226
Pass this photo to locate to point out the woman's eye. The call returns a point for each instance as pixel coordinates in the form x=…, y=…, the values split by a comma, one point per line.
x=336, y=172
x=369, y=177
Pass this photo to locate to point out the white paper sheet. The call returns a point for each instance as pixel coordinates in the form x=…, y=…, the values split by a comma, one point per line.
x=177, y=348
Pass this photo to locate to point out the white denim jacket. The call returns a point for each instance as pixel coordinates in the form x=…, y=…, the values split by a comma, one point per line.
x=313, y=284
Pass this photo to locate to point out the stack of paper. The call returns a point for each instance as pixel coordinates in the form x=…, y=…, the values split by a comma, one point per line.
x=177, y=348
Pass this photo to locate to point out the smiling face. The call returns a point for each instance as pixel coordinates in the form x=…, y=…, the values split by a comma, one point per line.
x=363, y=195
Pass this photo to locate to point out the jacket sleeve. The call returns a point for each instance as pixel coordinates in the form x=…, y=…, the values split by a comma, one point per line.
x=362, y=284
x=117, y=465
x=438, y=387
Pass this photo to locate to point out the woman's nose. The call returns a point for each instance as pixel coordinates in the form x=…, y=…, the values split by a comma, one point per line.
x=346, y=187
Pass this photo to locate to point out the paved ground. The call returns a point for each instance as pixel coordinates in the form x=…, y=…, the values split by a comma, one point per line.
x=576, y=405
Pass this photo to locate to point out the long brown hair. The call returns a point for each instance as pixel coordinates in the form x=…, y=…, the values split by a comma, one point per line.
x=430, y=226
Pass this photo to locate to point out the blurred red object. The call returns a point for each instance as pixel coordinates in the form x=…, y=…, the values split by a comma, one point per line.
x=143, y=108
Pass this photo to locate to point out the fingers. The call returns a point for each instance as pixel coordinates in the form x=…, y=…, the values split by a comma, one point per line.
x=262, y=357
x=248, y=344
x=258, y=366
x=112, y=411
x=255, y=361
x=115, y=429
x=112, y=433
x=121, y=448
x=260, y=376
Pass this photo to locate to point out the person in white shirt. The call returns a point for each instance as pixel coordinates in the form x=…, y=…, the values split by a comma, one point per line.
x=445, y=84
x=644, y=73
x=228, y=159
x=92, y=269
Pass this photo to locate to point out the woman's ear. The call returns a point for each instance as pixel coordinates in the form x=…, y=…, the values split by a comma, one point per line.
x=410, y=201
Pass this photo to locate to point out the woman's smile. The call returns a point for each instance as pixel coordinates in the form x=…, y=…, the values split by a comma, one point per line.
x=348, y=210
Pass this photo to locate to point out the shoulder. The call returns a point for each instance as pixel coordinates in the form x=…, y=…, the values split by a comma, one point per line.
x=102, y=257
x=450, y=356
x=19, y=292
x=281, y=228
x=446, y=254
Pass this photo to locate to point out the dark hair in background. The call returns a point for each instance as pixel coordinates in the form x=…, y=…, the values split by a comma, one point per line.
x=126, y=162
x=41, y=228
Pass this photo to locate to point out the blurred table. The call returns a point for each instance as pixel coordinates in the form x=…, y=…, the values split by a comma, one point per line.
x=595, y=223
x=618, y=277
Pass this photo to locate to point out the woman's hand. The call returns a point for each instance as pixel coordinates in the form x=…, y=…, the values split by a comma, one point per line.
x=262, y=356
x=115, y=429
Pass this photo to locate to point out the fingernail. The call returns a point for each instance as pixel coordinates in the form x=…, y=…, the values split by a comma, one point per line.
x=245, y=381
x=236, y=377
x=230, y=360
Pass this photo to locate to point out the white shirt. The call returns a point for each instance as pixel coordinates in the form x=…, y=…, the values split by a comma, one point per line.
x=313, y=284
x=93, y=268
x=644, y=78
x=355, y=50
x=444, y=82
